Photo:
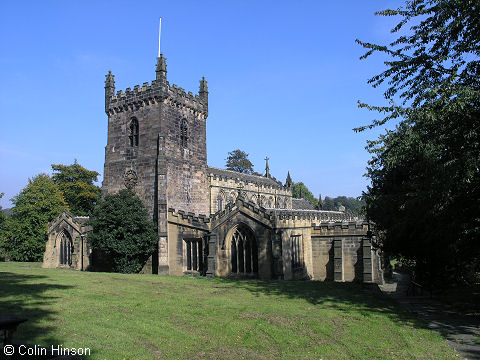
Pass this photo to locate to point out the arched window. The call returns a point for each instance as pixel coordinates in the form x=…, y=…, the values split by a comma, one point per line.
x=270, y=202
x=243, y=252
x=219, y=202
x=66, y=249
x=183, y=133
x=133, y=132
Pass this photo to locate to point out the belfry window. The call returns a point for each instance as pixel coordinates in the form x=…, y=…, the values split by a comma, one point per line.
x=183, y=133
x=194, y=255
x=66, y=249
x=297, y=251
x=243, y=253
x=133, y=137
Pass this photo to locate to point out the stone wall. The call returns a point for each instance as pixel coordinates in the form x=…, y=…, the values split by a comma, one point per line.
x=341, y=251
x=336, y=250
x=182, y=226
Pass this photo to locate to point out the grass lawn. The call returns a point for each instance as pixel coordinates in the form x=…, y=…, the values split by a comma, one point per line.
x=161, y=317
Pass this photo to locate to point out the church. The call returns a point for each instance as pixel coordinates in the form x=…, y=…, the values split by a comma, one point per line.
x=211, y=221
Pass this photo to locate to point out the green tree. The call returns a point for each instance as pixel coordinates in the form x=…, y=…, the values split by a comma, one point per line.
x=300, y=190
x=76, y=184
x=3, y=217
x=2, y=214
x=353, y=205
x=25, y=231
x=123, y=232
x=237, y=160
x=425, y=191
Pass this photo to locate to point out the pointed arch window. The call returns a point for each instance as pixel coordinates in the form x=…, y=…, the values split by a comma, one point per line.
x=133, y=137
x=66, y=249
x=184, y=133
x=243, y=252
x=219, y=202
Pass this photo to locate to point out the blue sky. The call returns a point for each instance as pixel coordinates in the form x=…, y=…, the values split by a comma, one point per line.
x=284, y=79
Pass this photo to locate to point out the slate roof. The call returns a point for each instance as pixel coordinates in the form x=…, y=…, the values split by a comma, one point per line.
x=260, y=180
x=302, y=204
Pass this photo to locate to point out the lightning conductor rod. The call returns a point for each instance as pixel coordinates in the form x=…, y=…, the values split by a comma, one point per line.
x=159, y=35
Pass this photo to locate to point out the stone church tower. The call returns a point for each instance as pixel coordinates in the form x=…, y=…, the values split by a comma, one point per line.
x=157, y=146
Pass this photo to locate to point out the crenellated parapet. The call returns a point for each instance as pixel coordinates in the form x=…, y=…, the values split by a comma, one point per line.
x=340, y=226
x=188, y=219
x=313, y=215
x=153, y=93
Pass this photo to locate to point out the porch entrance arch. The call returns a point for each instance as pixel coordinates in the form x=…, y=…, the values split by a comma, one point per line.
x=243, y=251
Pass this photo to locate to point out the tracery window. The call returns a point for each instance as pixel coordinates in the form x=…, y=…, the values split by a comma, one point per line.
x=66, y=249
x=184, y=133
x=297, y=251
x=133, y=137
x=243, y=252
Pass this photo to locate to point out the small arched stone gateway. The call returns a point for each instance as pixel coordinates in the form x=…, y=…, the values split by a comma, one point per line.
x=66, y=246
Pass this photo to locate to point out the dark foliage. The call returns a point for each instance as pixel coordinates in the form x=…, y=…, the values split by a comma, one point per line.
x=123, y=231
x=300, y=190
x=352, y=205
x=237, y=160
x=425, y=192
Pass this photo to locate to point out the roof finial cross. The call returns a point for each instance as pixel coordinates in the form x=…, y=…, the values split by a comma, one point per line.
x=267, y=169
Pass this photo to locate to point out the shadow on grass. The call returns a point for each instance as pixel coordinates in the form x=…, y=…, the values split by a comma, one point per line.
x=346, y=297
x=367, y=300
x=24, y=296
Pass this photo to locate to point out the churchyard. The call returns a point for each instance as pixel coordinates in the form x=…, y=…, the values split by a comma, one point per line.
x=121, y=316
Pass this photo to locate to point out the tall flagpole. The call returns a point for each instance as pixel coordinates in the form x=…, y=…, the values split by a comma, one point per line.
x=159, y=35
